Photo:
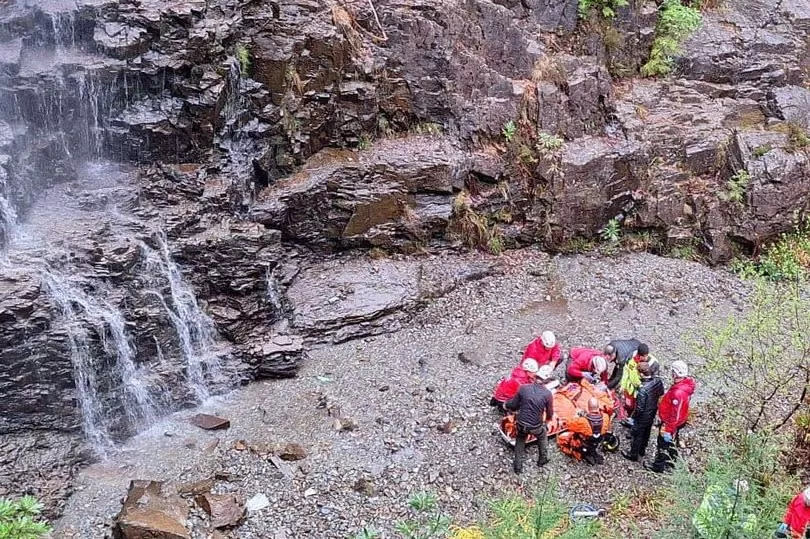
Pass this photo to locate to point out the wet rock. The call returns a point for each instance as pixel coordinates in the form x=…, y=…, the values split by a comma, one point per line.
x=225, y=510
x=120, y=40
x=148, y=512
x=209, y=422
x=196, y=488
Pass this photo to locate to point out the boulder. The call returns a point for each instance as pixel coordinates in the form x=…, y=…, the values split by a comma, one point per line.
x=225, y=510
x=210, y=422
x=150, y=513
x=290, y=451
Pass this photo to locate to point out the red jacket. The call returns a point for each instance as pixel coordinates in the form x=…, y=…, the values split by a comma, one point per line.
x=541, y=354
x=508, y=387
x=581, y=362
x=674, y=406
x=797, y=516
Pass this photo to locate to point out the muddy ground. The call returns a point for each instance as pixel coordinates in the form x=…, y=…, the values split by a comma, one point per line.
x=400, y=388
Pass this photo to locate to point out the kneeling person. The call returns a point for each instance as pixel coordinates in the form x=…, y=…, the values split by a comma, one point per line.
x=584, y=434
x=534, y=405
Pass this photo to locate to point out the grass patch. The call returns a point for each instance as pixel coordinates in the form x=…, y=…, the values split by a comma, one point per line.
x=427, y=128
x=686, y=251
x=676, y=22
x=578, y=245
x=797, y=138
x=606, y=8
x=472, y=228
x=759, y=151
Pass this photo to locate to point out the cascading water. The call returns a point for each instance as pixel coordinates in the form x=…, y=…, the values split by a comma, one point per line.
x=195, y=330
x=80, y=310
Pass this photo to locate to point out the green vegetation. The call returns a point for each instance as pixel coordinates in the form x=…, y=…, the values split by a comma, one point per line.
x=676, y=22
x=427, y=128
x=759, y=151
x=509, y=130
x=606, y=8
x=611, y=232
x=736, y=186
x=19, y=519
x=364, y=142
x=686, y=251
x=578, y=245
x=427, y=522
x=243, y=57
x=547, y=143
x=786, y=259
x=472, y=228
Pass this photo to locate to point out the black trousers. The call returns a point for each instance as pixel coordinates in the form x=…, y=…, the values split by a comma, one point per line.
x=666, y=454
x=641, y=437
x=520, y=444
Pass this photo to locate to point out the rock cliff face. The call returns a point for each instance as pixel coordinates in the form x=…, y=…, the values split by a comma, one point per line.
x=257, y=142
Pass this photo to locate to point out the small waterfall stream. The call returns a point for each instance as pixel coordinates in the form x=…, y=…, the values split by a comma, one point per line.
x=195, y=329
x=81, y=311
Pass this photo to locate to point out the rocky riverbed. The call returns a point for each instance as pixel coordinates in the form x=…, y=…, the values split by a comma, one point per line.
x=384, y=416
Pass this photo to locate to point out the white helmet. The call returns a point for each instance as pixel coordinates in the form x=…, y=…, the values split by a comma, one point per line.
x=545, y=372
x=548, y=339
x=530, y=365
x=599, y=364
x=807, y=496
x=680, y=369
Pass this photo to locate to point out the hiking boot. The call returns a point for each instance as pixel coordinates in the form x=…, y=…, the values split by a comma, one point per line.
x=542, y=462
x=589, y=458
x=628, y=456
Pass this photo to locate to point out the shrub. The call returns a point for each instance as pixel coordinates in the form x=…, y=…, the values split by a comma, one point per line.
x=19, y=519
x=687, y=251
x=676, y=22
x=797, y=138
x=509, y=130
x=606, y=8
x=364, y=142
x=611, y=232
x=786, y=259
x=752, y=513
x=736, y=186
x=473, y=228
x=759, y=151
x=547, y=143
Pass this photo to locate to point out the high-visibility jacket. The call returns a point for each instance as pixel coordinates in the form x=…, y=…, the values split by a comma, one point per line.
x=631, y=379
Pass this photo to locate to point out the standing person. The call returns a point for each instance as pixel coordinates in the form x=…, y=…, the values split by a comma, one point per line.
x=631, y=381
x=619, y=351
x=534, y=405
x=797, y=517
x=587, y=363
x=673, y=411
x=651, y=390
x=544, y=350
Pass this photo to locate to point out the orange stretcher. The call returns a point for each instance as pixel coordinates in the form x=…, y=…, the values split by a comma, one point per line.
x=568, y=401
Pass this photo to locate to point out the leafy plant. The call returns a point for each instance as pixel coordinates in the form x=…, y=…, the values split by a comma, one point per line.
x=243, y=57
x=19, y=519
x=611, y=232
x=786, y=259
x=736, y=186
x=686, y=251
x=509, y=130
x=676, y=22
x=428, y=521
x=606, y=8
x=364, y=142
x=548, y=143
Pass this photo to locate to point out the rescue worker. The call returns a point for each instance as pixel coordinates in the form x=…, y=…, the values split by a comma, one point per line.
x=619, y=351
x=584, y=434
x=508, y=387
x=651, y=390
x=796, y=523
x=673, y=411
x=534, y=405
x=723, y=510
x=631, y=381
x=544, y=350
x=587, y=363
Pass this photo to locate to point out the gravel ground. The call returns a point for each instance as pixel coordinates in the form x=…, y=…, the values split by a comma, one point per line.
x=400, y=388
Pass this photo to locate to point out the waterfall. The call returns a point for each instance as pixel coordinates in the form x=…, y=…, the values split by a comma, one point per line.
x=8, y=221
x=78, y=311
x=274, y=295
x=195, y=329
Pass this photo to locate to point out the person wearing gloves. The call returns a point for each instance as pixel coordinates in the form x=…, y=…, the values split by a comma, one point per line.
x=619, y=352
x=673, y=411
x=651, y=390
x=544, y=350
x=796, y=523
x=587, y=363
x=534, y=405
x=508, y=387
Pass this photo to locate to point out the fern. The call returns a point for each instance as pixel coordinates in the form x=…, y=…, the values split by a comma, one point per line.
x=676, y=22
